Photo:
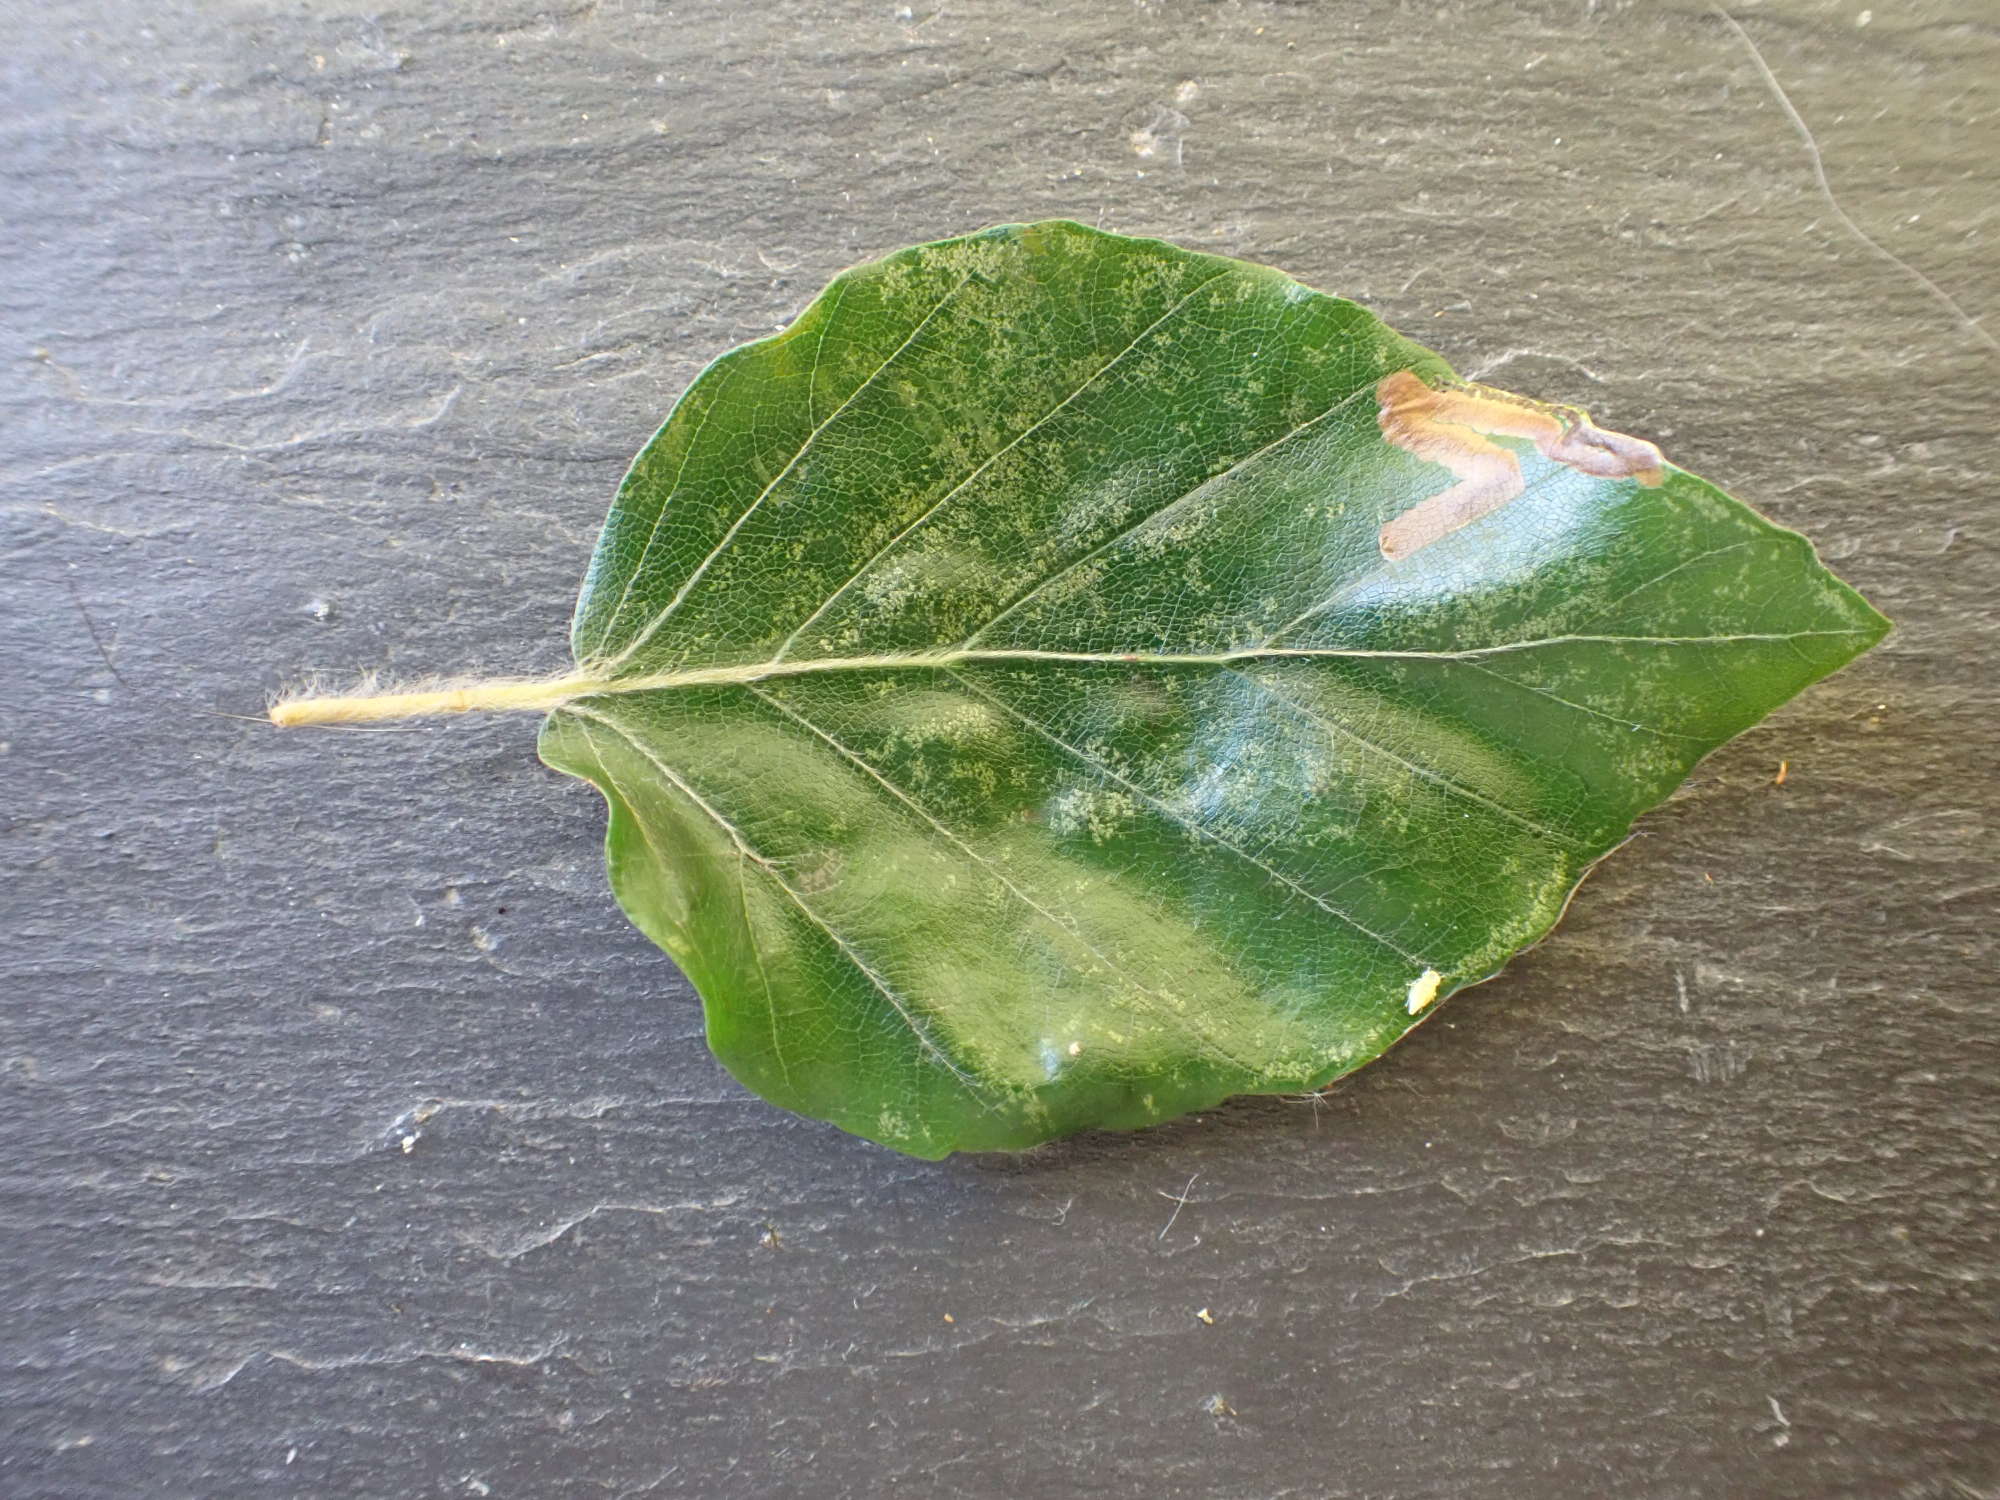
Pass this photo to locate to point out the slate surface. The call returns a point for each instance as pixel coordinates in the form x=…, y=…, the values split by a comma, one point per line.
x=355, y=1146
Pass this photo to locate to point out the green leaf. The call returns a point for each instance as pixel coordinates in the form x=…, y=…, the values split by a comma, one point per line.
x=1064, y=680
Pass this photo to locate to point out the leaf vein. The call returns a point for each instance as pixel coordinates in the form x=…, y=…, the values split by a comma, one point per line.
x=1068, y=929
x=571, y=689
x=701, y=570
x=1051, y=579
x=993, y=458
x=757, y=956
x=1555, y=836
x=735, y=836
x=610, y=617
x=1582, y=708
x=1180, y=820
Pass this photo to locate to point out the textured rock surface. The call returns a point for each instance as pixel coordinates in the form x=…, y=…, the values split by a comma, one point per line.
x=356, y=1146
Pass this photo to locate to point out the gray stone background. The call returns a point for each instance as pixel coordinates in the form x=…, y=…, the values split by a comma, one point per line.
x=355, y=1146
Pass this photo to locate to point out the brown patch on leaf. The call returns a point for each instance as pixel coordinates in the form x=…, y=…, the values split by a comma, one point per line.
x=1445, y=427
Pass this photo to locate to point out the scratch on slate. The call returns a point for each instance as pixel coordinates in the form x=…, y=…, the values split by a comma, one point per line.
x=96, y=640
x=1179, y=1202
x=1943, y=298
x=457, y=1354
x=512, y=1248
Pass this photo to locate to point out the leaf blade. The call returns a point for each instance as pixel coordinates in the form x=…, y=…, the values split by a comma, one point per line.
x=1068, y=750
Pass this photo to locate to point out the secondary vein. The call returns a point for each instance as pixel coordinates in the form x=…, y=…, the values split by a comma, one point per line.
x=680, y=596
x=1181, y=821
x=743, y=846
x=992, y=458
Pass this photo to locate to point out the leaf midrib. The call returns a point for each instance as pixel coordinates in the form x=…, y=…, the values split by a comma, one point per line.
x=734, y=674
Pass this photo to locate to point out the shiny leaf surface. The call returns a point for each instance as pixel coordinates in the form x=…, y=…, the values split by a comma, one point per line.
x=1064, y=680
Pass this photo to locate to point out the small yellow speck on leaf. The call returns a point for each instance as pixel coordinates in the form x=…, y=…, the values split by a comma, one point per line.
x=1423, y=990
